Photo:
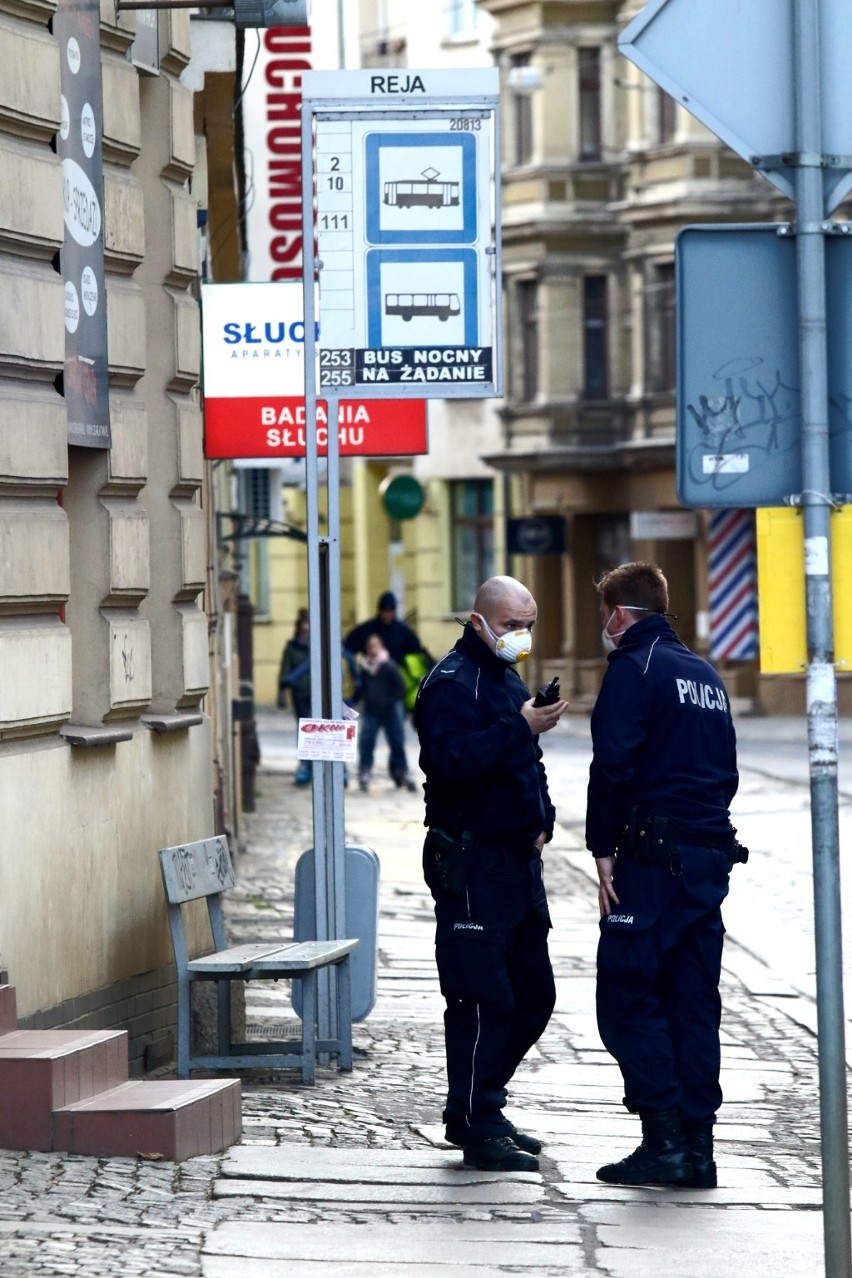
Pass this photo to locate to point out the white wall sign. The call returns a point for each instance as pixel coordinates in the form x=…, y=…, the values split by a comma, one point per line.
x=253, y=339
x=272, y=100
x=663, y=525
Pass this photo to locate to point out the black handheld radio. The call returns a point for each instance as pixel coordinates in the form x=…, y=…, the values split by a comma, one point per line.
x=547, y=694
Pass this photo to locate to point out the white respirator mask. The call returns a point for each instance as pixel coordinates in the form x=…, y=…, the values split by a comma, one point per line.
x=516, y=645
x=610, y=642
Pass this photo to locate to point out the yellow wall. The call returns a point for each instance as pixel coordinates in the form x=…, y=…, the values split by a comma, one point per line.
x=288, y=591
x=366, y=547
x=781, y=589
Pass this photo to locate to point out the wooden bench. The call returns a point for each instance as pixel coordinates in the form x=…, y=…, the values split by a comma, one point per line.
x=203, y=869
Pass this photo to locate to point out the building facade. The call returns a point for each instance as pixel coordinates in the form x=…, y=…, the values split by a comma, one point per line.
x=599, y=172
x=106, y=747
x=601, y=169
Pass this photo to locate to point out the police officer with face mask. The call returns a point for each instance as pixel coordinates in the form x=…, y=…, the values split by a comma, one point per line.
x=488, y=813
x=663, y=774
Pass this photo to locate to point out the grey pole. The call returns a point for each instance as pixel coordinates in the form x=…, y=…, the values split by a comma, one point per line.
x=341, y=37
x=335, y=867
x=821, y=680
x=318, y=603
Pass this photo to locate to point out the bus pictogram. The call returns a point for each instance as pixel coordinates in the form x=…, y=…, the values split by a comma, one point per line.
x=433, y=305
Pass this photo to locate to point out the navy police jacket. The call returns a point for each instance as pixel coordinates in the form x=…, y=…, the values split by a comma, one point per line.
x=483, y=766
x=663, y=739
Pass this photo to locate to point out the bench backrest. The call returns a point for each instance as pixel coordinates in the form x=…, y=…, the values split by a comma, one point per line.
x=193, y=870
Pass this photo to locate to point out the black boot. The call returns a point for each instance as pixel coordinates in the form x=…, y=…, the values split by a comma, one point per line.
x=661, y=1159
x=699, y=1142
x=498, y=1153
x=458, y=1134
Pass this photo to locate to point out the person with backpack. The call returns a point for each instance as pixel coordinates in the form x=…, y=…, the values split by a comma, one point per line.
x=403, y=644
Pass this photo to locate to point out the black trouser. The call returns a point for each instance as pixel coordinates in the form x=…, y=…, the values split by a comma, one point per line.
x=495, y=974
x=659, y=963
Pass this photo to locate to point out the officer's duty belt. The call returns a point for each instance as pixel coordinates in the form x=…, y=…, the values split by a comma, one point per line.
x=654, y=840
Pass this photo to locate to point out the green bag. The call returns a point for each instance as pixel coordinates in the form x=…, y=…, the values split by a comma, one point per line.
x=414, y=668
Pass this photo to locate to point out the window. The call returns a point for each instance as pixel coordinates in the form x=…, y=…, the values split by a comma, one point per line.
x=259, y=498
x=526, y=372
x=666, y=116
x=145, y=49
x=660, y=328
x=590, y=103
x=612, y=542
x=522, y=121
x=460, y=16
x=256, y=494
x=472, y=538
x=595, y=353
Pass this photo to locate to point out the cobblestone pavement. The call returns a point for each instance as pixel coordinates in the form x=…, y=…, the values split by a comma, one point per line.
x=353, y=1172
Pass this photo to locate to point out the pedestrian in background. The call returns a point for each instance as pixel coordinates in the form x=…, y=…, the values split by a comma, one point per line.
x=662, y=777
x=401, y=641
x=294, y=676
x=380, y=695
x=488, y=813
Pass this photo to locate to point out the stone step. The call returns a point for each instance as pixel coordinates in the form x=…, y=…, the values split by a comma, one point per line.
x=8, y=1009
x=171, y=1118
x=44, y=1070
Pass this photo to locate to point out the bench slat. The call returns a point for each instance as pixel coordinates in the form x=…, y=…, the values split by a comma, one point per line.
x=301, y=956
x=237, y=958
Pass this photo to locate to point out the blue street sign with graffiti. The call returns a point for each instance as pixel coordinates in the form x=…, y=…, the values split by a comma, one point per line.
x=738, y=409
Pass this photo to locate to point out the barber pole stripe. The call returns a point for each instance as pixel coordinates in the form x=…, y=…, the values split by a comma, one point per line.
x=733, y=586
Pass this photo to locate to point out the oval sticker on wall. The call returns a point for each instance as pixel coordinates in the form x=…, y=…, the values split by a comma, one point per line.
x=82, y=207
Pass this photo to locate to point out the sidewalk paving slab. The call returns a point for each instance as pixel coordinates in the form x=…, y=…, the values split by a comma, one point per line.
x=353, y=1178
x=395, y=1267
x=530, y=1248
x=669, y=1241
x=449, y=1193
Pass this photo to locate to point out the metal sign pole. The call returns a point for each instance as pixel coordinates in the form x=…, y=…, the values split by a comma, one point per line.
x=317, y=587
x=336, y=890
x=821, y=680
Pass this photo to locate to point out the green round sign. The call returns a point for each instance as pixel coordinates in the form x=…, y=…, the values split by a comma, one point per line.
x=403, y=496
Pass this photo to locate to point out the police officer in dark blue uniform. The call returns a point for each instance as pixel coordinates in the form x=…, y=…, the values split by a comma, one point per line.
x=662, y=778
x=489, y=813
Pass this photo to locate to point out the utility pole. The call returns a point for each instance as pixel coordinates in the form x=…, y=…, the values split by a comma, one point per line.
x=817, y=505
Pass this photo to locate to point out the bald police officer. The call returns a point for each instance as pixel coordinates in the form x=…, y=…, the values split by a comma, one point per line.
x=662, y=778
x=489, y=814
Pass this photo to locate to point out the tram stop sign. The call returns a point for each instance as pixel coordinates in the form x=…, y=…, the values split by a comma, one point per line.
x=730, y=63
